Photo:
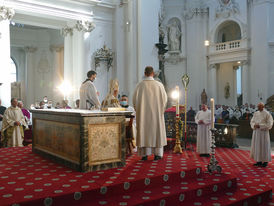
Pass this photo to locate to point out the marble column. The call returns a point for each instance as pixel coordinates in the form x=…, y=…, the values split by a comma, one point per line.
x=79, y=72
x=30, y=76
x=58, y=72
x=67, y=33
x=244, y=65
x=74, y=50
x=6, y=15
x=213, y=81
x=128, y=86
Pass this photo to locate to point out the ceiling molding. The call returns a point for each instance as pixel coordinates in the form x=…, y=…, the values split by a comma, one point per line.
x=61, y=10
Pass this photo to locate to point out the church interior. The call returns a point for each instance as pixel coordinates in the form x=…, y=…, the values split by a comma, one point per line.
x=215, y=56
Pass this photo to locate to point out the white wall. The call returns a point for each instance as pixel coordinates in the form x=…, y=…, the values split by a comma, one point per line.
x=259, y=54
x=43, y=67
x=225, y=74
x=148, y=35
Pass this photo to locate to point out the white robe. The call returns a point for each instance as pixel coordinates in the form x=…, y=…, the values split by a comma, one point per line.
x=149, y=100
x=13, y=114
x=260, y=144
x=203, y=132
x=88, y=96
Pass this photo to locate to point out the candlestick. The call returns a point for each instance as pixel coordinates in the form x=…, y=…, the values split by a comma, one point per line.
x=212, y=112
x=177, y=101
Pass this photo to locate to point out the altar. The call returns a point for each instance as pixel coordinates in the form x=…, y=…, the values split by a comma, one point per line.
x=83, y=140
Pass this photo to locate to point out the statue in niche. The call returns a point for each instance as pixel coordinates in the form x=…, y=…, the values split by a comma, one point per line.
x=227, y=90
x=174, y=35
x=203, y=97
x=111, y=99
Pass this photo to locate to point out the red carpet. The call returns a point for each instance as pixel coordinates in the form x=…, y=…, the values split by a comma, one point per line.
x=28, y=179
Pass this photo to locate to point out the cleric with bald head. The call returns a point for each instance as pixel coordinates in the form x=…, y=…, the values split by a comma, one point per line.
x=261, y=123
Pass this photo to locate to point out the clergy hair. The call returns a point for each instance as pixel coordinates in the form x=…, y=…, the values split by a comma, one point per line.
x=12, y=99
x=148, y=70
x=90, y=73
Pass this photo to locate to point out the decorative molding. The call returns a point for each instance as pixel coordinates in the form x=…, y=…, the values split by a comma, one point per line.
x=56, y=48
x=30, y=49
x=213, y=66
x=174, y=57
x=52, y=8
x=190, y=13
x=6, y=13
x=227, y=8
x=244, y=62
x=66, y=30
x=104, y=54
x=85, y=26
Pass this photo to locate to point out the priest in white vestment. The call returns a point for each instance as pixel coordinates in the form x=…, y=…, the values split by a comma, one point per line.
x=13, y=126
x=261, y=123
x=203, y=119
x=88, y=93
x=149, y=100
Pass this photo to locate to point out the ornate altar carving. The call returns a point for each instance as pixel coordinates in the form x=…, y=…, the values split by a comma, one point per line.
x=104, y=54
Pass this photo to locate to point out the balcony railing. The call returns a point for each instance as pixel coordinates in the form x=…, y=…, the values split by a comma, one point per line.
x=228, y=46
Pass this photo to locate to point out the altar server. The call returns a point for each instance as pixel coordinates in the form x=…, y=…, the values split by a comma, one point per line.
x=88, y=93
x=261, y=123
x=203, y=119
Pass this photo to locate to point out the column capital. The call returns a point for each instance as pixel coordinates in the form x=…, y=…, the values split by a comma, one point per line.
x=85, y=26
x=30, y=49
x=244, y=62
x=6, y=13
x=56, y=48
x=66, y=30
x=213, y=66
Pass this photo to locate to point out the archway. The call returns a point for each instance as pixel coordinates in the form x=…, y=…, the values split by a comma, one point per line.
x=228, y=31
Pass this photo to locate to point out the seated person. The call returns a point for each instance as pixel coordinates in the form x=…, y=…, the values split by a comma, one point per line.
x=111, y=99
x=13, y=126
x=247, y=115
x=124, y=103
x=65, y=104
x=57, y=106
x=131, y=128
x=42, y=105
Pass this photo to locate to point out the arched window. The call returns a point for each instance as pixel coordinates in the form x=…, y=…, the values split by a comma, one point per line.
x=228, y=31
x=13, y=71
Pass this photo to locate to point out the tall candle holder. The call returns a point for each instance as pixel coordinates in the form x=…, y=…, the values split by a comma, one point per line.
x=213, y=163
x=177, y=148
x=185, y=81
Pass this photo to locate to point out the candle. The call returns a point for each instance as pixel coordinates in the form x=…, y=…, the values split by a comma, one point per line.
x=177, y=101
x=212, y=112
